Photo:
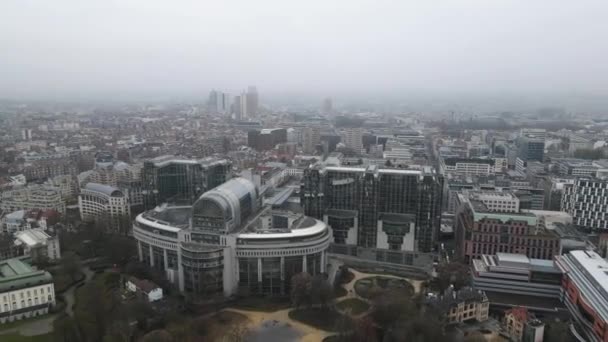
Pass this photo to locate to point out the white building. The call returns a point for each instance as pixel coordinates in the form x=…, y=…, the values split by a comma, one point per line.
x=24, y=291
x=145, y=288
x=503, y=202
x=103, y=202
x=36, y=243
x=67, y=185
x=467, y=166
x=587, y=201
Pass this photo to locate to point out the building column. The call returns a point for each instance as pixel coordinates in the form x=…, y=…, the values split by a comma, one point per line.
x=139, y=252
x=166, y=259
x=151, y=256
x=304, y=263
x=282, y=275
x=260, y=275
x=323, y=262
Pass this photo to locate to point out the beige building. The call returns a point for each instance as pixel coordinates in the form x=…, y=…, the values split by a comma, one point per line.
x=462, y=306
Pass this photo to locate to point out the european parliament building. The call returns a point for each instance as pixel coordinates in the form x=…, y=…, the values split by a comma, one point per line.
x=227, y=242
x=380, y=214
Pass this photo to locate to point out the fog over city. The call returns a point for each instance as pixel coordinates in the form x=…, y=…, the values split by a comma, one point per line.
x=162, y=49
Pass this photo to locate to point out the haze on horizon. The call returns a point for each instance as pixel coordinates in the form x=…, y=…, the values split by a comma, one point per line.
x=93, y=49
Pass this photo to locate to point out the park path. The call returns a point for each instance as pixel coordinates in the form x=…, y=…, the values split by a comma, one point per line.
x=69, y=294
x=256, y=318
x=350, y=286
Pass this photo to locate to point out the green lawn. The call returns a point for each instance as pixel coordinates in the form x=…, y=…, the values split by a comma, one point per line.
x=20, y=338
x=16, y=323
x=355, y=305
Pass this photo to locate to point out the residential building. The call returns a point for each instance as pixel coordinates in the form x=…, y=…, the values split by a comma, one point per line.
x=21, y=220
x=585, y=292
x=145, y=289
x=587, y=201
x=464, y=305
x=32, y=197
x=38, y=244
x=106, y=204
x=170, y=178
x=41, y=170
x=521, y=325
x=393, y=213
x=311, y=137
x=24, y=291
x=227, y=242
x=67, y=185
x=353, y=139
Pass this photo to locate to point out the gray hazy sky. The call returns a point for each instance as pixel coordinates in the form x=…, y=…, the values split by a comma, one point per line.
x=81, y=48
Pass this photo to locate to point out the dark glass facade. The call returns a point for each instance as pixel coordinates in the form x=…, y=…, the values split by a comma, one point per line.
x=371, y=193
x=181, y=181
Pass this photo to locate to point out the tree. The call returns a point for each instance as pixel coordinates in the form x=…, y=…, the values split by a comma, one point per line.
x=321, y=291
x=65, y=329
x=300, y=288
x=70, y=265
x=453, y=273
x=158, y=336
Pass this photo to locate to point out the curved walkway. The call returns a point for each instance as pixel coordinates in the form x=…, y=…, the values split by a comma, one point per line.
x=309, y=334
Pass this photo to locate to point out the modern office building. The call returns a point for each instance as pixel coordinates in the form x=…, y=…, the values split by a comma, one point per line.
x=587, y=201
x=468, y=166
x=24, y=291
x=169, y=178
x=32, y=197
x=516, y=274
x=387, y=215
x=227, y=242
x=531, y=148
x=481, y=230
x=266, y=139
x=585, y=292
x=104, y=203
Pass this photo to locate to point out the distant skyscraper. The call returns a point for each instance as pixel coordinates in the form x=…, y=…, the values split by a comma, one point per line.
x=353, y=139
x=236, y=108
x=327, y=106
x=244, y=108
x=311, y=136
x=252, y=101
x=219, y=102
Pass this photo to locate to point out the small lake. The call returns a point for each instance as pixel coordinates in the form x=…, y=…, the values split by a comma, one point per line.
x=271, y=331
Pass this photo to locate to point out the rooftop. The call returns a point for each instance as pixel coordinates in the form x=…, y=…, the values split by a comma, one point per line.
x=17, y=273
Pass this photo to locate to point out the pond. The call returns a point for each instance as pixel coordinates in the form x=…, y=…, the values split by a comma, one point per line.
x=270, y=331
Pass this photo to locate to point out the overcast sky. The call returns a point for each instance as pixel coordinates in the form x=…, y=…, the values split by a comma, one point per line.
x=83, y=48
